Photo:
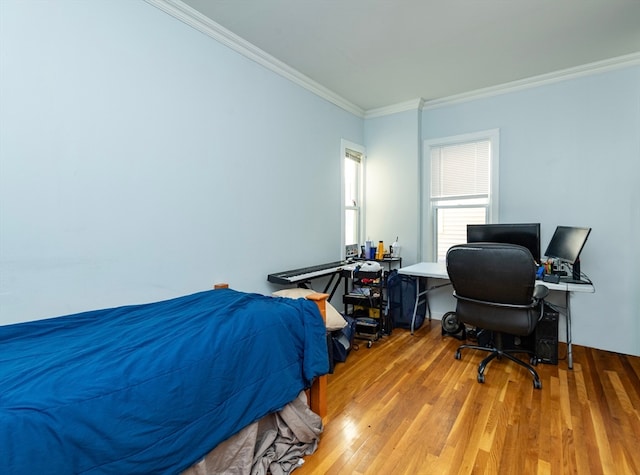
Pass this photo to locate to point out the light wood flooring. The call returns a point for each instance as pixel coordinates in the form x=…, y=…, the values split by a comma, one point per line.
x=406, y=406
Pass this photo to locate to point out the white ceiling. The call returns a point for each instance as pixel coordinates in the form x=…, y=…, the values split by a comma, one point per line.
x=377, y=53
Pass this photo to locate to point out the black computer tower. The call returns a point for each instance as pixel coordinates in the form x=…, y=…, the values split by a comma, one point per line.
x=546, y=336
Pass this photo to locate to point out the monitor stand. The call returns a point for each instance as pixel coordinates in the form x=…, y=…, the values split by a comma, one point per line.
x=574, y=278
x=576, y=270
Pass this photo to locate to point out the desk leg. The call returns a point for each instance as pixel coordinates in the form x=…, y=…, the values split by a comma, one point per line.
x=426, y=297
x=568, y=320
x=415, y=305
x=419, y=295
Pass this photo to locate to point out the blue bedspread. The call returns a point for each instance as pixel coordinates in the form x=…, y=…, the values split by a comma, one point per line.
x=150, y=388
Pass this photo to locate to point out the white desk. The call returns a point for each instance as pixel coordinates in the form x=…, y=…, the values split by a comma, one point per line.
x=438, y=270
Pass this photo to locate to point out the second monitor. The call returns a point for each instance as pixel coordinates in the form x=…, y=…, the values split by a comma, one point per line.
x=523, y=234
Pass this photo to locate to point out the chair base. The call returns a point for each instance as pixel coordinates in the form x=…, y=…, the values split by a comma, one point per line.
x=497, y=352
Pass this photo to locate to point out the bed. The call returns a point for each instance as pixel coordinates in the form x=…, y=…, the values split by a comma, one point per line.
x=152, y=388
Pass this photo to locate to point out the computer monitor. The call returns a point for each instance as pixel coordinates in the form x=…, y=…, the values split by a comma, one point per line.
x=523, y=234
x=566, y=245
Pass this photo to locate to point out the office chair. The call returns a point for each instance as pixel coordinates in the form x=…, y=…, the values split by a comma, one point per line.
x=494, y=287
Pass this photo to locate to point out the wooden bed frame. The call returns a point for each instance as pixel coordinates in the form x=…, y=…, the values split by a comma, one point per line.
x=317, y=394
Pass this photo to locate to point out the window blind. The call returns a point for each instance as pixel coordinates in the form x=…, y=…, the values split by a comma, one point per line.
x=355, y=156
x=460, y=170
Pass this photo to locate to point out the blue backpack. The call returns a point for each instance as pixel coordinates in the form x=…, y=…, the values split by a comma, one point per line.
x=342, y=340
x=401, y=299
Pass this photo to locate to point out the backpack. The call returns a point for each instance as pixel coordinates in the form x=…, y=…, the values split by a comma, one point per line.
x=401, y=300
x=342, y=340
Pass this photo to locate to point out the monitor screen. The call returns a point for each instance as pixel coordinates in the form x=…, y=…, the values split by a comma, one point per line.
x=567, y=243
x=526, y=235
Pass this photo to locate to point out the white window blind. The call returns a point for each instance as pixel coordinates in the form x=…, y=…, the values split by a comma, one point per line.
x=460, y=190
x=460, y=170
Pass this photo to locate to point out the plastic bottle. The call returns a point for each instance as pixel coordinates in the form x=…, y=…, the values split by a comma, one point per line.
x=367, y=249
x=395, y=249
x=380, y=253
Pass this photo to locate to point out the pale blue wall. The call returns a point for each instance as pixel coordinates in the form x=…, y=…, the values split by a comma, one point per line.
x=570, y=155
x=141, y=159
x=393, y=144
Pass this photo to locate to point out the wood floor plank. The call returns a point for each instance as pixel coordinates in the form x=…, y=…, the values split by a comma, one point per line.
x=407, y=406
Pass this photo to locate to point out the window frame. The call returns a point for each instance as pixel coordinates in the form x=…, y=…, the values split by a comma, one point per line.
x=360, y=209
x=429, y=226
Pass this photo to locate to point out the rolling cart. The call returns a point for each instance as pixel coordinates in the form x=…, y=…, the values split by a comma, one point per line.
x=363, y=301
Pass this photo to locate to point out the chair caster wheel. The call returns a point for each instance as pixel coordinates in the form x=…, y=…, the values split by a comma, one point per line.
x=458, y=355
x=537, y=384
x=481, y=378
x=369, y=344
x=533, y=361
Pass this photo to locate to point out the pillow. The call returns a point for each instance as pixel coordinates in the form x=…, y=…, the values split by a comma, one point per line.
x=335, y=321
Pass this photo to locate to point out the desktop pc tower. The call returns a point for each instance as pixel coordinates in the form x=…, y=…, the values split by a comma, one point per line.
x=546, y=336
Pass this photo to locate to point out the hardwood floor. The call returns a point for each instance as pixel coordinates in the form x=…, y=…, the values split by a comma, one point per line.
x=406, y=406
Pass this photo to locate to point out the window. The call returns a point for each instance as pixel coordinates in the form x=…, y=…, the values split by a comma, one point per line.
x=460, y=183
x=353, y=191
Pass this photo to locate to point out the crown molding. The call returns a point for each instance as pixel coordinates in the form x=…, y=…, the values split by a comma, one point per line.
x=589, y=69
x=414, y=104
x=195, y=19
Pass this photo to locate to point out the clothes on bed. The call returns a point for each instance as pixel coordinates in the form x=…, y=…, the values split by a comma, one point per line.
x=276, y=444
x=234, y=456
x=150, y=388
x=285, y=437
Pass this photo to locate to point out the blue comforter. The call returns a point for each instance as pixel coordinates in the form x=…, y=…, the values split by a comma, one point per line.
x=150, y=388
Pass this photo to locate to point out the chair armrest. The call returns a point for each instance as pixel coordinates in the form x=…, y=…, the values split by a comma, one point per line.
x=540, y=292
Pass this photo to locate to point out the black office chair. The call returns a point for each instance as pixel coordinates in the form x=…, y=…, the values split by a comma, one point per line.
x=494, y=286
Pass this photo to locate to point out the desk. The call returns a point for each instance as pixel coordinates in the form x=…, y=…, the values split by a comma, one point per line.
x=438, y=270
x=424, y=270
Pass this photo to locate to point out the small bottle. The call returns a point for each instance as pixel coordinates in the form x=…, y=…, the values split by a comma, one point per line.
x=367, y=249
x=380, y=253
x=395, y=249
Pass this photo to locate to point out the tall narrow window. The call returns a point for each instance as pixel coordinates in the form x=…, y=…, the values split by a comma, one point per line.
x=462, y=187
x=352, y=196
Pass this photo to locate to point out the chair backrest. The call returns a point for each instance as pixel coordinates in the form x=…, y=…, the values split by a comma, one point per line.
x=494, y=286
x=492, y=272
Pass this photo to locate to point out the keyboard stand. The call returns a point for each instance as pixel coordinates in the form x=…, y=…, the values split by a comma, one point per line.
x=335, y=276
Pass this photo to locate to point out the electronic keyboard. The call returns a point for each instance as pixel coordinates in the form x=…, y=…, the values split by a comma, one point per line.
x=306, y=273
